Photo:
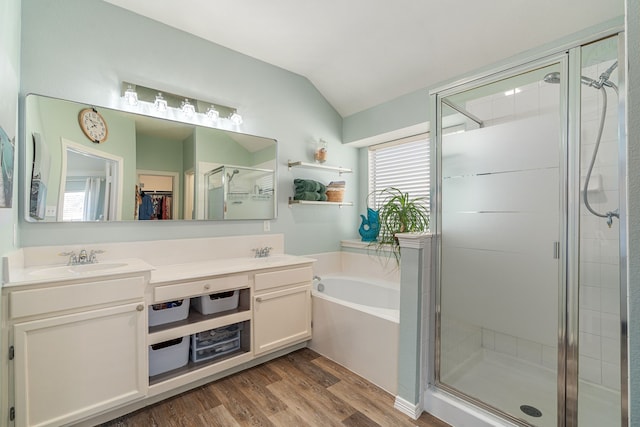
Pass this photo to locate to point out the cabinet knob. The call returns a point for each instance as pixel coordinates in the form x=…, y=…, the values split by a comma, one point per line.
x=140, y=307
x=207, y=286
x=259, y=299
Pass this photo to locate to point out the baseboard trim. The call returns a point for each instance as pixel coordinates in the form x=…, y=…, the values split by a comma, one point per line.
x=413, y=410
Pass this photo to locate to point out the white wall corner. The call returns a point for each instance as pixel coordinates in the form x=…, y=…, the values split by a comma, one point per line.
x=413, y=410
x=414, y=240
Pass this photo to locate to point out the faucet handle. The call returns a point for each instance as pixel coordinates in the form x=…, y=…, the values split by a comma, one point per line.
x=93, y=253
x=73, y=258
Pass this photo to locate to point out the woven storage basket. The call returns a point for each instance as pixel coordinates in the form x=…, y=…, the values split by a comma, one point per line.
x=335, y=194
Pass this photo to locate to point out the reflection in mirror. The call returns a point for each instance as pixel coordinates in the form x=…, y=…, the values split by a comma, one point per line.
x=158, y=163
x=238, y=193
x=91, y=182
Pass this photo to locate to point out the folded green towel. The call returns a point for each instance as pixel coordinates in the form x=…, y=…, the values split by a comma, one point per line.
x=308, y=195
x=309, y=185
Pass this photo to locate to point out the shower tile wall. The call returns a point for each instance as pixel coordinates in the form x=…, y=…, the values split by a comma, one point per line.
x=599, y=298
x=599, y=256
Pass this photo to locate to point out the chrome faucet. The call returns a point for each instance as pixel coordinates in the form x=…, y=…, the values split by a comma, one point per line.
x=83, y=257
x=262, y=252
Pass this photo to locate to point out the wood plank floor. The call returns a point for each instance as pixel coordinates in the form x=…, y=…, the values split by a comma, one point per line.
x=299, y=389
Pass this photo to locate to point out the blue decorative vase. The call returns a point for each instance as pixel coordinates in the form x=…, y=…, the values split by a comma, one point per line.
x=370, y=226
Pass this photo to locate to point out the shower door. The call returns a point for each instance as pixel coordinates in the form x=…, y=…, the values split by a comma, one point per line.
x=501, y=223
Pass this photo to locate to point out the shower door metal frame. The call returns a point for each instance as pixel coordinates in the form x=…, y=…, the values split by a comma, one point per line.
x=623, y=231
x=568, y=56
x=562, y=59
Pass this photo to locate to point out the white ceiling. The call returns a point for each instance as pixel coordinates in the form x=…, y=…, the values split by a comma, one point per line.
x=361, y=53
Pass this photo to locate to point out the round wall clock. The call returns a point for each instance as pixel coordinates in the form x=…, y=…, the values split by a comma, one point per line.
x=93, y=125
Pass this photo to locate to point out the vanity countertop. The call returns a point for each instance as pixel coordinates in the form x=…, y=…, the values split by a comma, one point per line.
x=195, y=270
x=159, y=274
x=63, y=273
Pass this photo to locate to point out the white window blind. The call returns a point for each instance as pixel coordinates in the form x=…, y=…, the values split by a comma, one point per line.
x=403, y=164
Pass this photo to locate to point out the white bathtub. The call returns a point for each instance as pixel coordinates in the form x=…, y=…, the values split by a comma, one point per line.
x=355, y=323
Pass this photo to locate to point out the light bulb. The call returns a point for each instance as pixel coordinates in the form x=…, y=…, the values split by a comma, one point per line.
x=188, y=109
x=235, y=118
x=130, y=96
x=160, y=103
x=213, y=114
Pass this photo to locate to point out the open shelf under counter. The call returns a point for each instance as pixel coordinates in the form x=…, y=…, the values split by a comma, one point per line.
x=313, y=202
x=196, y=322
x=300, y=164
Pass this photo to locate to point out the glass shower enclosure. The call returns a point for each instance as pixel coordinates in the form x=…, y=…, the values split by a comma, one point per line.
x=238, y=192
x=528, y=284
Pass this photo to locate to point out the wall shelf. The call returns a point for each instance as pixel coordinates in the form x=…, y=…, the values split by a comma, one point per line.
x=313, y=202
x=299, y=164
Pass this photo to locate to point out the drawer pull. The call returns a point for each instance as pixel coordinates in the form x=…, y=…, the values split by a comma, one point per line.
x=259, y=299
x=207, y=287
x=140, y=307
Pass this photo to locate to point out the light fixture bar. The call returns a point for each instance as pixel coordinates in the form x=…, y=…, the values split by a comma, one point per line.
x=161, y=101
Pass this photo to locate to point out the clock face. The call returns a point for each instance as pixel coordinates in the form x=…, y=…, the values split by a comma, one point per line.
x=93, y=125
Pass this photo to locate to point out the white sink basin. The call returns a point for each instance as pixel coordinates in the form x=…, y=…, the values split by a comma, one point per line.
x=72, y=270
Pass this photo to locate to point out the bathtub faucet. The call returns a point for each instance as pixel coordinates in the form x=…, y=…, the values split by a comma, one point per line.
x=318, y=278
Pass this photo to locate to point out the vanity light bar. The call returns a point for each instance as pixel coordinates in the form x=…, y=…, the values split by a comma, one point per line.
x=159, y=102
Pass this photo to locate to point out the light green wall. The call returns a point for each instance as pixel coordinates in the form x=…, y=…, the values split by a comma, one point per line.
x=215, y=146
x=189, y=153
x=60, y=59
x=264, y=155
x=161, y=154
x=406, y=111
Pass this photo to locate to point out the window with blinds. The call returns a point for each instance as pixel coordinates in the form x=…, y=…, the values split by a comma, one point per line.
x=403, y=164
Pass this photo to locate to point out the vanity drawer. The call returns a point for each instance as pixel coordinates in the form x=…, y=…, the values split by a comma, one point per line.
x=274, y=279
x=68, y=297
x=199, y=287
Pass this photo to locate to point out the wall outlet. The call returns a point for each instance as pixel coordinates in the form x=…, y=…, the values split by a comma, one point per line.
x=267, y=226
x=51, y=211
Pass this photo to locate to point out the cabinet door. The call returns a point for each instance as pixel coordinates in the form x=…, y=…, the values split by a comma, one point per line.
x=70, y=367
x=281, y=318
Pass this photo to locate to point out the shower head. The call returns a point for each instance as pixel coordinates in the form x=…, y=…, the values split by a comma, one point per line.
x=552, y=78
x=555, y=78
x=231, y=175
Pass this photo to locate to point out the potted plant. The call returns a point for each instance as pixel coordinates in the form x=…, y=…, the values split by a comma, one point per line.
x=398, y=213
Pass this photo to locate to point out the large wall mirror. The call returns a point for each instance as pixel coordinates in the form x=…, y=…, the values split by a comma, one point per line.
x=147, y=168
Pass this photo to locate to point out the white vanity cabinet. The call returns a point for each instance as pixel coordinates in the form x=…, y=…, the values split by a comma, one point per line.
x=78, y=349
x=281, y=308
x=84, y=351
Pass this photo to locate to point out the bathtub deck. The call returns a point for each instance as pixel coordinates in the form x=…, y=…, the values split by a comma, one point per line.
x=299, y=389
